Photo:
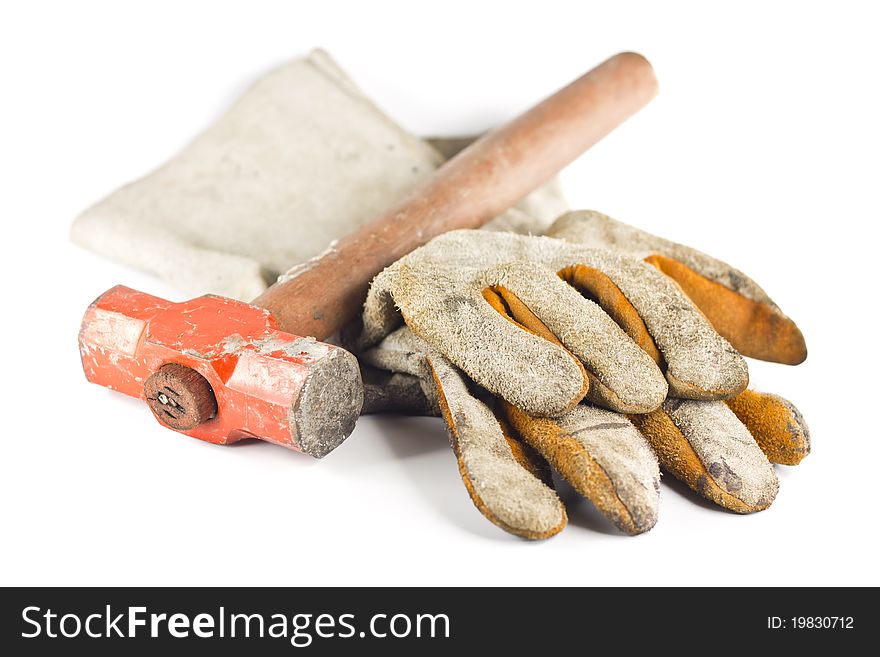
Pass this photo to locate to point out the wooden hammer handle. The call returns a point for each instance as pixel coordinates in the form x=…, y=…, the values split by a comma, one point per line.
x=490, y=176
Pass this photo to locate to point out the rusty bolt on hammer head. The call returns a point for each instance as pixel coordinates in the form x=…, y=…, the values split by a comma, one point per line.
x=221, y=370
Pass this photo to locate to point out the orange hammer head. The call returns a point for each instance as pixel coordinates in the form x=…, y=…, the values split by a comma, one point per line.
x=219, y=370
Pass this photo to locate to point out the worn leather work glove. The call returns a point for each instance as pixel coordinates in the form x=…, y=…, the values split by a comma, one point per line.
x=717, y=448
x=598, y=324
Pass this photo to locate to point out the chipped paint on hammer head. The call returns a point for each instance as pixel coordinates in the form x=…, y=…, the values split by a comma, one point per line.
x=233, y=344
x=300, y=348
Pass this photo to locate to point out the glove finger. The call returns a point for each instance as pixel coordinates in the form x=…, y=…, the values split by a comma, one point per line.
x=700, y=364
x=527, y=370
x=400, y=351
x=622, y=376
x=379, y=318
x=504, y=484
x=393, y=392
x=597, y=287
x=692, y=376
x=397, y=377
x=509, y=305
x=704, y=445
x=755, y=328
x=776, y=424
x=603, y=457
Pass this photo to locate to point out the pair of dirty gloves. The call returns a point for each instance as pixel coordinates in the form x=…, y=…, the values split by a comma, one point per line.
x=599, y=351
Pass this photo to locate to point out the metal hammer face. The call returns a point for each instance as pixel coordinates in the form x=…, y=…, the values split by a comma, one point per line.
x=220, y=370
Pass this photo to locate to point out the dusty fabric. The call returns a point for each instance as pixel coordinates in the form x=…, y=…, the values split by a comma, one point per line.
x=299, y=160
x=438, y=290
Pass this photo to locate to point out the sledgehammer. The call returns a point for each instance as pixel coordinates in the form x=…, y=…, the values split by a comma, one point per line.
x=222, y=370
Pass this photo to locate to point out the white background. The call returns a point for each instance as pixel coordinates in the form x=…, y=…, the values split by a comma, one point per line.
x=762, y=149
